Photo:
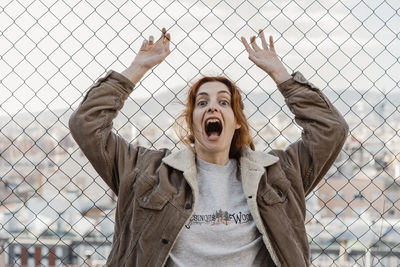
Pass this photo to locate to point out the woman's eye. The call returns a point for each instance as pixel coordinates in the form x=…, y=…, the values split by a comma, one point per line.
x=202, y=103
x=224, y=102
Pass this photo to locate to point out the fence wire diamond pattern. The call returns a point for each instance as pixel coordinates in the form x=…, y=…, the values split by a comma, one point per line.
x=56, y=211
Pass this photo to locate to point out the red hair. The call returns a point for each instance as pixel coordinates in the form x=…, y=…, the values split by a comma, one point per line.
x=241, y=138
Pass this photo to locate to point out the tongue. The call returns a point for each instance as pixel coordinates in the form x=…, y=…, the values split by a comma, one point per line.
x=213, y=136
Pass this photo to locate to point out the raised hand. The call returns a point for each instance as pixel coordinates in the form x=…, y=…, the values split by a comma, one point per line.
x=266, y=58
x=149, y=55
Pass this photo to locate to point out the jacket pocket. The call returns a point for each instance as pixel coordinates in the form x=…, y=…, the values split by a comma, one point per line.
x=276, y=193
x=280, y=201
x=152, y=200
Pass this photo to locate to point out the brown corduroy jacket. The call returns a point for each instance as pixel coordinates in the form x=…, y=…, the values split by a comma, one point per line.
x=157, y=190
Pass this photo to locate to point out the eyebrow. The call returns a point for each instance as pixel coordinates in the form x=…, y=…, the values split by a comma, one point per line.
x=219, y=92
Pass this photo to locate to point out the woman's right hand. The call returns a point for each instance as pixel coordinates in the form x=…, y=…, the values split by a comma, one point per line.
x=150, y=54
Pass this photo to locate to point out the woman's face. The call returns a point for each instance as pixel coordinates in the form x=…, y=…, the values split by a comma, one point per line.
x=213, y=120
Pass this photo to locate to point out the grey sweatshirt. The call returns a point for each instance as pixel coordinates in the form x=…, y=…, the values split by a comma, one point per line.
x=221, y=231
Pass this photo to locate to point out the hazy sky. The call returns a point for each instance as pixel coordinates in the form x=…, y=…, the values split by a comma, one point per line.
x=52, y=51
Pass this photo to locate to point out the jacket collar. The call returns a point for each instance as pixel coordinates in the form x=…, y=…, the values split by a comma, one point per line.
x=252, y=168
x=184, y=160
x=250, y=162
x=256, y=160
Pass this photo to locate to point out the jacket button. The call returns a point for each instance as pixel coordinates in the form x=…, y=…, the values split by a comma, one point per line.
x=165, y=241
x=145, y=198
x=280, y=193
x=250, y=196
x=188, y=206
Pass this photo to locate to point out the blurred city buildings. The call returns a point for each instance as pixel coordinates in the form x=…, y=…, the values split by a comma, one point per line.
x=56, y=209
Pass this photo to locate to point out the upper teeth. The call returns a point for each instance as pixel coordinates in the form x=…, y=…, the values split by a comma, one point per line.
x=212, y=120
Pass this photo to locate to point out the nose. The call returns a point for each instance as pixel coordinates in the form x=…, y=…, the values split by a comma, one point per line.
x=213, y=106
x=212, y=109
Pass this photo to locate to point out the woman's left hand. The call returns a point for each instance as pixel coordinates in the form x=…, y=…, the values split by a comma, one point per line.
x=266, y=58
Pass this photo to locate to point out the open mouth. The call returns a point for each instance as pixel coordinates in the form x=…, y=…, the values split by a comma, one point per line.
x=213, y=127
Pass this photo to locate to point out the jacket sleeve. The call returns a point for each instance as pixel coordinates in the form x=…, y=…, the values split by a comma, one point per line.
x=324, y=132
x=91, y=127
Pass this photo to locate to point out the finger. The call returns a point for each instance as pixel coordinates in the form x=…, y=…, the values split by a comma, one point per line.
x=162, y=37
x=168, y=37
x=151, y=39
x=263, y=41
x=167, y=42
x=144, y=45
x=254, y=44
x=271, y=44
x=246, y=45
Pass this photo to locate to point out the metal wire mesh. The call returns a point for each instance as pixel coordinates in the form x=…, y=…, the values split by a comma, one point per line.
x=56, y=211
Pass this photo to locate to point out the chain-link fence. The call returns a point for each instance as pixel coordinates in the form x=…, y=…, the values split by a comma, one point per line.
x=56, y=211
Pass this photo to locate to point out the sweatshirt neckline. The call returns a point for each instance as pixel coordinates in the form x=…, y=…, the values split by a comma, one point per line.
x=207, y=166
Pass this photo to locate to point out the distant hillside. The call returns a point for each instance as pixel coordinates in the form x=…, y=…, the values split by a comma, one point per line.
x=342, y=100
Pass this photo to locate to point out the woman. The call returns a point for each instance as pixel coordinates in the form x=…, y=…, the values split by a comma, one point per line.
x=218, y=202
